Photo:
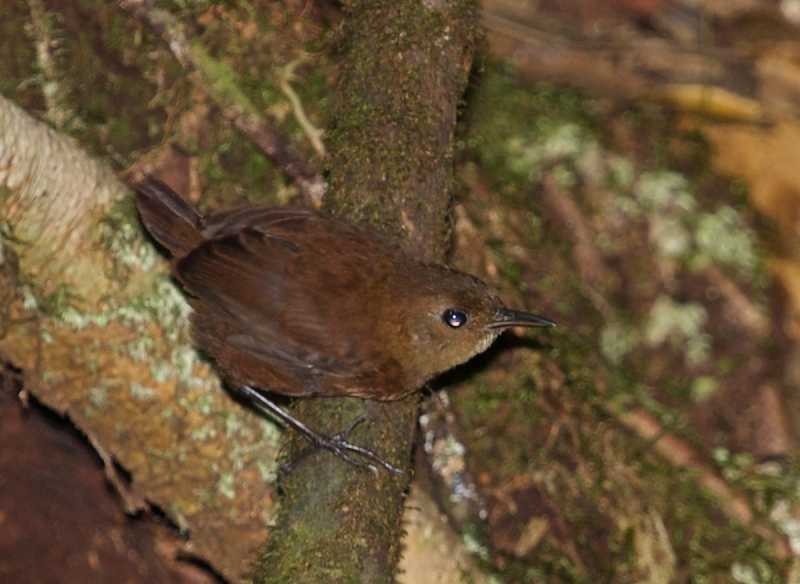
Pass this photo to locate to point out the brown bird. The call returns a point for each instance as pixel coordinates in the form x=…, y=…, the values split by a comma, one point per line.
x=297, y=303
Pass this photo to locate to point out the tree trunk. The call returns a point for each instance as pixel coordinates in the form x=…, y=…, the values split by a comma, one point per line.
x=404, y=67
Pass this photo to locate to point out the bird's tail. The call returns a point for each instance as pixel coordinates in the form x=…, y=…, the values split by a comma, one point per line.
x=170, y=219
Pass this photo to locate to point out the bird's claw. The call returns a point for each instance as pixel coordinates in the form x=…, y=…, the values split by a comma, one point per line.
x=337, y=444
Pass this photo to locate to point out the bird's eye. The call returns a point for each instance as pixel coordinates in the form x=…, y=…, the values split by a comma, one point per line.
x=454, y=318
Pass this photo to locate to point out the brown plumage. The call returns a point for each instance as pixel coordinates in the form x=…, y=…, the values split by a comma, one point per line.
x=294, y=302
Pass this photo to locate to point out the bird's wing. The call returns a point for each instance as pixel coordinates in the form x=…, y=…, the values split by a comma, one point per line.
x=270, y=220
x=275, y=292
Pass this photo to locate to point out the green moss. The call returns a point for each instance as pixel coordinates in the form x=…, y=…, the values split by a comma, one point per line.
x=621, y=484
x=238, y=169
x=19, y=76
x=519, y=130
x=648, y=486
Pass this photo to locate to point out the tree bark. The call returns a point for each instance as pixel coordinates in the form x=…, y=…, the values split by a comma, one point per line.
x=99, y=334
x=404, y=67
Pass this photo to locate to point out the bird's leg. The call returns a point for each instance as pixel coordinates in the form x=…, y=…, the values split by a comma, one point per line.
x=337, y=444
x=290, y=465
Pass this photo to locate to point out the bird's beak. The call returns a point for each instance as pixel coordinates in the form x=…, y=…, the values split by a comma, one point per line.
x=506, y=318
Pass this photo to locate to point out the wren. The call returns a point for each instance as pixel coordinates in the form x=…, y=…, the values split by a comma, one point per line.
x=293, y=302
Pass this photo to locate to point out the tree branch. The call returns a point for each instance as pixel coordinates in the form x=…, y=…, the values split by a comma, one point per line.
x=404, y=67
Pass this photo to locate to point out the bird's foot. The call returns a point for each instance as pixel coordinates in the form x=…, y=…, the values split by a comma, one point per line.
x=337, y=444
x=341, y=448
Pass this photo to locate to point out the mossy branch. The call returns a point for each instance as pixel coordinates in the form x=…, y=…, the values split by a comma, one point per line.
x=404, y=67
